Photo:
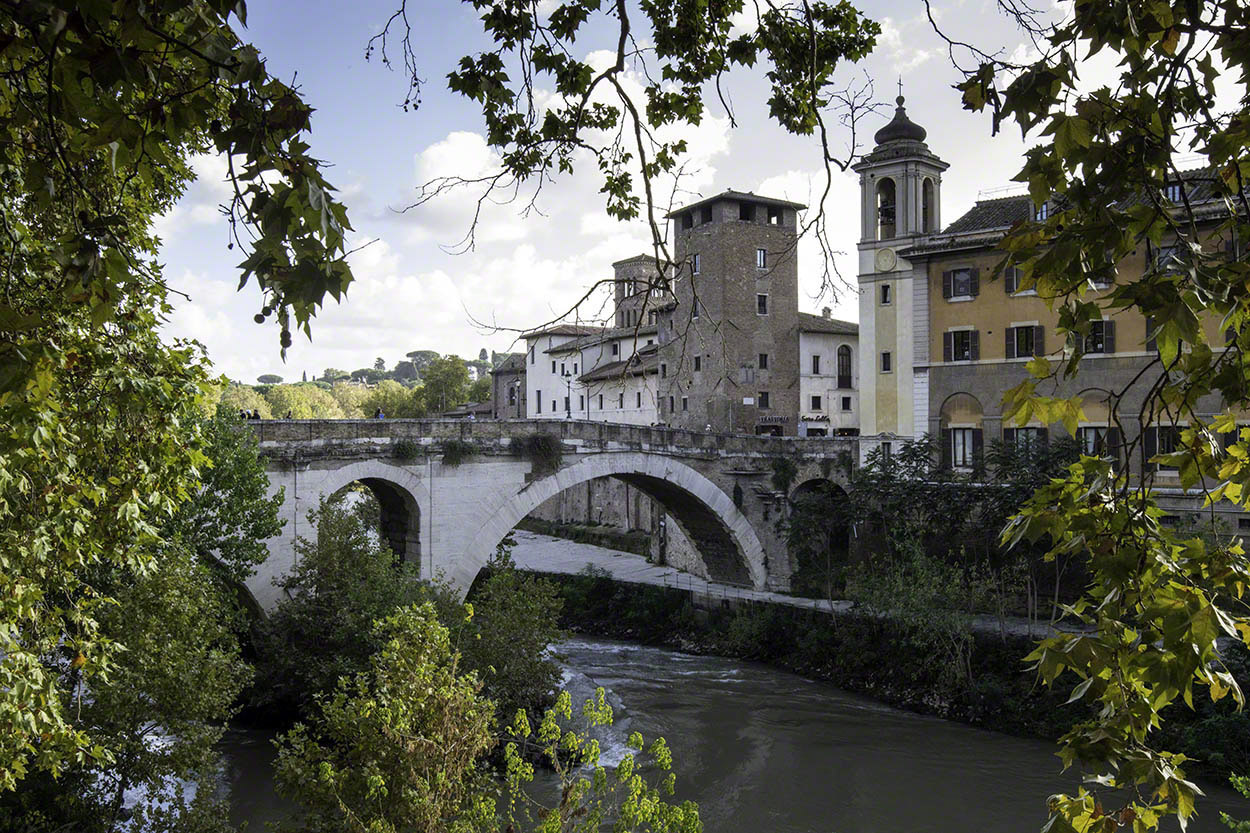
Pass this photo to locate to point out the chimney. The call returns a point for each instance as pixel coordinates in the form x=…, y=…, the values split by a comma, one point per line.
x=825, y=312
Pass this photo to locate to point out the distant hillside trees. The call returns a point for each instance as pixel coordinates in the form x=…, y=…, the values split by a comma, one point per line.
x=269, y=379
x=446, y=383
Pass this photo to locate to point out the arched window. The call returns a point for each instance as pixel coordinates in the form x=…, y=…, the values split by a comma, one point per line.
x=844, y=366
x=928, y=206
x=885, y=209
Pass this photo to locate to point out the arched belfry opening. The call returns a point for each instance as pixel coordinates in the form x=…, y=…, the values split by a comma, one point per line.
x=928, y=206
x=887, y=201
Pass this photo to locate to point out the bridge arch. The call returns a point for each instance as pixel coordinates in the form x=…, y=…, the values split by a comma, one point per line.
x=400, y=495
x=725, y=538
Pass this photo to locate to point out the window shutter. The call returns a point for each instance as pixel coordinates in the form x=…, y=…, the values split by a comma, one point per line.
x=1009, y=280
x=1150, y=447
x=946, y=286
x=1108, y=337
x=946, y=448
x=1010, y=349
x=1152, y=343
x=1039, y=341
x=974, y=279
x=948, y=346
x=974, y=345
x=978, y=445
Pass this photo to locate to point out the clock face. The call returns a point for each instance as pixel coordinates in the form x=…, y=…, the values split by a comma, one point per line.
x=886, y=260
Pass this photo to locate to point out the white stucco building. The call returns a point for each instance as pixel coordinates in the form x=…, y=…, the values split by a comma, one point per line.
x=828, y=376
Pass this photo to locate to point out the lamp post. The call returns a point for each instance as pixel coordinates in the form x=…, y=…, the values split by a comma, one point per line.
x=516, y=396
x=568, y=395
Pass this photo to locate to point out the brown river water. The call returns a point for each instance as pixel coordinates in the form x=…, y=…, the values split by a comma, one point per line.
x=764, y=751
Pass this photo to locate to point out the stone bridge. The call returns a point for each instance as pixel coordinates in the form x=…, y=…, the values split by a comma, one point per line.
x=450, y=490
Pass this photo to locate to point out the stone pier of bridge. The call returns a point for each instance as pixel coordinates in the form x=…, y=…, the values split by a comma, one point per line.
x=450, y=490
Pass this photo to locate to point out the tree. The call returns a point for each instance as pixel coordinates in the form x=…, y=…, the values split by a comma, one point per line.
x=405, y=371
x=303, y=402
x=333, y=374
x=395, y=400
x=379, y=364
x=1106, y=160
x=102, y=106
x=421, y=359
x=480, y=391
x=482, y=355
x=237, y=398
x=351, y=399
x=446, y=383
x=226, y=522
x=269, y=379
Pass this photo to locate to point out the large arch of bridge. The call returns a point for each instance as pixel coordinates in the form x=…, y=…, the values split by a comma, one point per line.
x=400, y=495
x=729, y=545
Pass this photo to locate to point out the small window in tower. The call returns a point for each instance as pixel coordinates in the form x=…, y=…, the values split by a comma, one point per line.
x=885, y=362
x=774, y=215
x=663, y=370
x=885, y=209
x=763, y=361
x=698, y=363
x=553, y=365
x=746, y=211
x=620, y=401
x=638, y=399
x=885, y=295
x=761, y=258
x=616, y=349
x=763, y=400
x=670, y=404
x=694, y=308
x=761, y=304
x=687, y=221
x=694, y=264
x=705, y=214
x=928, y=215
x=601, y=401
x=685, y=403
x=815, y=364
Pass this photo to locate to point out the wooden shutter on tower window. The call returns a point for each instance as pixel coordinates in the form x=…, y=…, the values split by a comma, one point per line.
x=1039, y=341
x=974, y=281
x=948, y=346
x=946, y=285
x=946, y=448
x=1011, y=342
x=974, y=345
x=1108, y=336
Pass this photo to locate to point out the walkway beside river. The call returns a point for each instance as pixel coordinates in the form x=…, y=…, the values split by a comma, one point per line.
x=545, y=554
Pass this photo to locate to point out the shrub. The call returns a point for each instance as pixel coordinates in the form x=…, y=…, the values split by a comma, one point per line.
x=545, y=451
x=406, y=449
x=456, y=452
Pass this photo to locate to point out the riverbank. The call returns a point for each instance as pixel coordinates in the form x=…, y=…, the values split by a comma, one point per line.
x=880, y=659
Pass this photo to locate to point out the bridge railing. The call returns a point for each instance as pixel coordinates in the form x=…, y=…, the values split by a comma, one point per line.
x=331, y=431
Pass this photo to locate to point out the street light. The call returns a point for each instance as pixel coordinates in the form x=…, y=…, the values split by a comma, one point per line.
x=568, y=395
x=516, y=396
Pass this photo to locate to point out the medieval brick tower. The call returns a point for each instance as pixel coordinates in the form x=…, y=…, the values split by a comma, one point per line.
x=728, y=357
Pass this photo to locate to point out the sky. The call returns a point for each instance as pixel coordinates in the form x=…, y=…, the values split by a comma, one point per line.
x=415, y=289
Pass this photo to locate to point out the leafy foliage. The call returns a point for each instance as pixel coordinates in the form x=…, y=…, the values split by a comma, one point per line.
x=456, y=452
x=545, y=452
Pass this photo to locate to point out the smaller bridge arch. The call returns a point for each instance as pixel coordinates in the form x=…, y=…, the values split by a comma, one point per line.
x=706, y=514
x=400, y=495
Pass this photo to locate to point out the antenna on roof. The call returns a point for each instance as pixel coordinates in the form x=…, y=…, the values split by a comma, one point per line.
x=1015, y=190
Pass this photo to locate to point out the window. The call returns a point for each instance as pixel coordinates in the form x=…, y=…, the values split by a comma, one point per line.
x=774, y=215
x=566, y=405
x=887, y=450
x=694, y=264
x=1024, y=341
x=761, y=304
x=511, y=395
x=1152, y=341
x=694, y=308
x=746, y=211
x=961, y=283
x=1173, y=192
x=885, y=209
x=816, y=364
x=816, y=403
x=553, y=406
x=670, y=404
x=885, y=362
x=927, y=203
x=885, y=294
x=616, y=349
x=601, y=401
x=1024, y=438
x=698, y=363
x=574, y=368
x=961, y=346
x=1043, y=211
x=844, y=367
x=1011, y=279
x=663, y=370
x=620, y=401
x=1101, y=338
x=963, y=447
x=1092, y=440
x=763, y=364
x=763, y=400
x=538, y=400
x=705, y=214
x=685, y=403
x=581, y=402
x=687, y=221
x=1166, y=439
x=1167, y=257
x=761, y=259
x=846, y=403
x=532, y=353
x=553, y=365
x=638, y=396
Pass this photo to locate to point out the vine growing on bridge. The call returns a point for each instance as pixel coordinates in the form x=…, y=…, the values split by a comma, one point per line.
x=544, y=451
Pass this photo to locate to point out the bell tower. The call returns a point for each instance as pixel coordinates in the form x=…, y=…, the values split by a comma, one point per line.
x=900, y=184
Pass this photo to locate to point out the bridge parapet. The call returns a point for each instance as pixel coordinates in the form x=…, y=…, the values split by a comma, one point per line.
x=335, y=437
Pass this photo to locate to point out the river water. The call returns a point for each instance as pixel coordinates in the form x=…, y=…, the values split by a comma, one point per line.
x=764, y=751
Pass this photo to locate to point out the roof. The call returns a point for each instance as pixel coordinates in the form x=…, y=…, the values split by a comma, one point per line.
x=637, y=365
x=738, y=196
x=1003, y=212
x=513, y=363
x=601, y=336
x=563, y=330
x=470, y=408
x=900, y=127
x=809, y=323
x=642, y=258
